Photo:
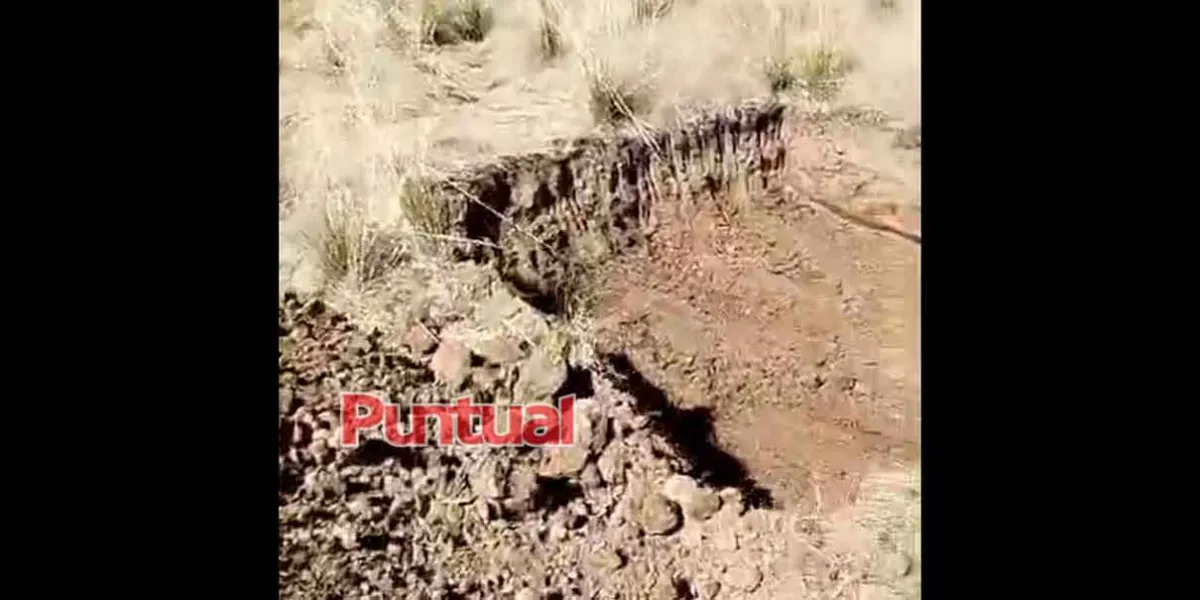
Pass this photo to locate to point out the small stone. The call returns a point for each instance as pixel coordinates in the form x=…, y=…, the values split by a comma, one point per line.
x=590, y=479
x=359, y=506
x=345, y=536
x=708, y=589
x=731, y=499
x=605, y=561
x=658, y=515
x=286, y=398
x=526, y=594
x=697, y=503
x=358, y=345
x=909, y=138
x=320, y=452
x=522, y=483
x=743, y=577
x=498, y=349
x=488, y=482
x=704, y=505
x=299, y=433
x=483, y=510
x=392, y=485
x=558, y=532
x=894, y=565
x=610, y=465
x=418, y=340
x=564, y=461
x=451, y=363
x=541, y=376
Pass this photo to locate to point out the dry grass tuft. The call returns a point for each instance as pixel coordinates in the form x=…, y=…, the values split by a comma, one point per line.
x=780, y=72
x=651, y=10
x=615, y=98
x=427, y=215
x=550, y=39
x=350, y=248
x=823, y=70
x=448, y=22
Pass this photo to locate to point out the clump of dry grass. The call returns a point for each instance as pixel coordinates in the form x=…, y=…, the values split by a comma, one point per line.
x=651, y=10
x=550, y=39
x=447, y=22
x=349, y=247
x=822, y=71
x=780, y=72
x=614, y=98
x=427, y=214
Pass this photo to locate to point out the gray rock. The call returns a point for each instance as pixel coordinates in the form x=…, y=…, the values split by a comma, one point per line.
x=451, y=363
x=498, y=349
x=604, y=561
x=610, y=464
x=697, y=503
x=418, y=340
x=745, y=578
x=708, y=589
x=565, y=461
x=590, y=477
x=541, y=376
x=657, y=515
x=488, y=480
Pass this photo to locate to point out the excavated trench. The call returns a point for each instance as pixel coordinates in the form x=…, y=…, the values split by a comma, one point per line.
x=643, y=221
x=551, y=222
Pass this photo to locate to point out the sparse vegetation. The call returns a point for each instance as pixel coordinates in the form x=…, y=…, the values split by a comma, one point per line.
x=447, y=22
x=427, y=215
x=615, y=99
x=361, y=85
x=550, y=40
x=781, y=73
x=351, y=248
x=651, y=10
x=822, y=71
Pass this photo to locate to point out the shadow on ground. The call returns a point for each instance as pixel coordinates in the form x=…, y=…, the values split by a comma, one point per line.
x=690, y=432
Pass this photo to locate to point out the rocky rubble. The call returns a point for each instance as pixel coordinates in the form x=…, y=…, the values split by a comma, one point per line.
x=617, y=515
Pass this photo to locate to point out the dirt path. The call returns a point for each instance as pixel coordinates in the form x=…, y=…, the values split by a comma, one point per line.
x=793, y=318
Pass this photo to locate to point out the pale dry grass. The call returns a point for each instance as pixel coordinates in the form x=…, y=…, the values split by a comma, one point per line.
x=377, y=94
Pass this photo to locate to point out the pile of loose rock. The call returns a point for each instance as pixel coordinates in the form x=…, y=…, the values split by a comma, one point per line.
x=616, y=515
